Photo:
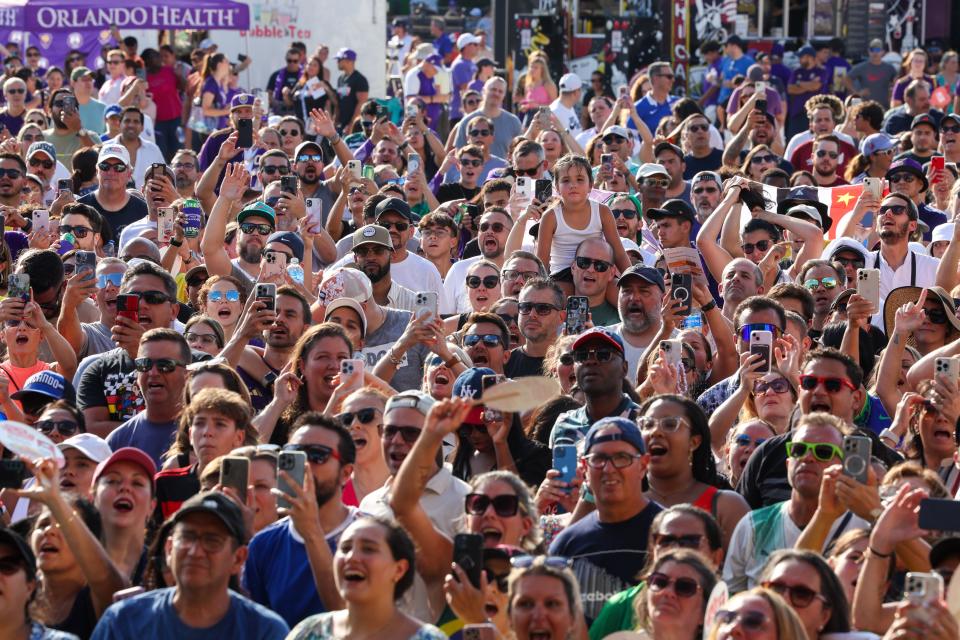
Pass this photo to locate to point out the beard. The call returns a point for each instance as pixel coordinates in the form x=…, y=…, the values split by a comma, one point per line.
x=249, y=253
x=324, y=492
x=182, y=181
x=375, y=272
x=637, y=325
x=893, y=235
x=824, y=171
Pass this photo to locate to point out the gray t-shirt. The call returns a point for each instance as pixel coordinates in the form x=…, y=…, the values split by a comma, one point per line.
x=375, y=345
x=96, y=339
x=237, y=272
x=877, y=79
x=506, y=127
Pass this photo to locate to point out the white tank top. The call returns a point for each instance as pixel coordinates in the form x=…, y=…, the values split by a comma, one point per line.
x=566, y=239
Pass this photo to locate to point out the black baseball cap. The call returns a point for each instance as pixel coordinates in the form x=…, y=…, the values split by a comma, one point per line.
x=12, y=538
x=674, y=208
x=219, y=505
x=649, y=274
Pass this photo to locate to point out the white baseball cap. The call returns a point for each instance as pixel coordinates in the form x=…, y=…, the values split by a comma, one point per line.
x=114, y=150
x=466, y=39
x=90, y=445
x=570, y=82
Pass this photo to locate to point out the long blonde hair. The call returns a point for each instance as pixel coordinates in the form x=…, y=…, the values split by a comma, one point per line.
x=541, y=61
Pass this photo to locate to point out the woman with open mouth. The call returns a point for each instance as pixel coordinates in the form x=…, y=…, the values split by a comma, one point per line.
x=931, y=440
x=483, y=290
x=558, y=363
x=742, y=440
x=373, y=567
x=222, y=298
x=362, y=415
x=544, y=599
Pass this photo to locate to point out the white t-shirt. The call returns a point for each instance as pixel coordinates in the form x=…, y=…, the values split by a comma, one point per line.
x=455, y=285
x=414, y=273
x=926, y=276
x=110, y=91
x=567, y=117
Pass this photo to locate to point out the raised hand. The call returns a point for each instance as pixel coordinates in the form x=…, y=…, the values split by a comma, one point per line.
x=236, y=180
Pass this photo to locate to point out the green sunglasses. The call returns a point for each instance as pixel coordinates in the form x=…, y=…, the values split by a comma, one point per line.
x=822, y=451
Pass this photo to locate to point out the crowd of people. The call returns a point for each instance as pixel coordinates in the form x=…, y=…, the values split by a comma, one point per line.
x=257, y=326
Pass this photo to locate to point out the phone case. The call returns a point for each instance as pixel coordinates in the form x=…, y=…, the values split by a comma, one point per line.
x=267, y=292
x=128, y=306
x=165, y=221
x=413, y=163
x=244, y=133
x=315, y=213
x=874, y=185
x=672, y=351
x=19, y=286
x=868, y=285
x=41, y=219
x=923, y=587
x=565, y=461
x=761, y=342
x=578, y=308
x=351, y=372
x=295, y=464
x=856, y=457
x=544, y=190
x=86, y=261
x=274, y=264
x=235, y=473
x=468, y=554
x=949, y=367
x=426, y=302
x=681, y=288
x=354, y=167
x=525, y=187
x=939, y=514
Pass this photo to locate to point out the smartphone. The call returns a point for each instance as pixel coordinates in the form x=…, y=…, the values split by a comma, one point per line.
x=275, y=263
x=129, y=592
x=525, y=187
x=874, y=186
x=70, y=104
x=288, y=184
x=543, y=114
x=64, y=186
x=166, y=217
x=295, y=464
x=353, y=166
x=472, y=210
x=244, y=133
x=128, y=306
x=578, y=310
x=760, y=87
x=382, y=112
x=266, y=292
x=12, y=474
x=468, y=554
x=351, y=373
x=672, y=351
x=413, y=163
x=868, y=286
x=762, y=105
x=41, y=219
x=939, y=514
x=949, y=367
x=86, y=262
x=235, y=473
x=623, y=90
x=426, y=303
x=314, y=213
x=411, y=111
x=19, y=286
x=543, y=190
x=565, y=461
x=761, y=343
x=479, y=631
x=923, y=588
x=856, y=457
x=937, y=165
x=681, y=286
x=606, y=163
x=492, y=415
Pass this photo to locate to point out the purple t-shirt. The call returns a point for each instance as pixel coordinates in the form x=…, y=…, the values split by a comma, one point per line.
x=16, y=241
x=904, y=82
x=796, y=101
x=219, y=98
x=461, y=72
x=12, y=123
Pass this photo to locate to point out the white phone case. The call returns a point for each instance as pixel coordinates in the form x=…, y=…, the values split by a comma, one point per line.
x=868, y=286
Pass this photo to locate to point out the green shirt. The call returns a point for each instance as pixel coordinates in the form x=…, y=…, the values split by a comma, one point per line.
x=617, y=614
x=604, y=315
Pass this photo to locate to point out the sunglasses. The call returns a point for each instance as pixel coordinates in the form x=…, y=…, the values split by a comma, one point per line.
x=367, y=124
x=311, y=157
x=477, y=133
x=832, y=385
x=164, y=365
x=46, y=164
x=663, y=183
x=363, y=416
x=512, y=274
x=219, y=296
x=628, y=214
x=153, y=297
x=822, y=451
x=823, y=153
x=466, y=430
x=472, y=102
x=670, y=424
x=104, y=166
x=780, y=385
x=408, y=434
x=505, y=506
x=471, y=163
x=508, y=319
x=64, y=427
x=895, y=209
x=936, y=315
x=502, y=580
x=800, y=597
x=354, y=190
x=689, y=541
x=600, y=355
x=683, y=587
x=553, y=562
x=399, y=226
x=496, y=227
x=114, y=61
x=291, y=132
x=901, y=177
x=202, y=338
x=613, y=139
x=249, y=228
x=747, y=329
x=489, y=339
x=751, y=620
x=828, y=283
x=489, y=282
x=949, y=129
x=105, y=279
x=316, y=453
x=196, y=282
x=743, y=440
x=856, y=263
x=16, y=91
x=542, y=308
x=527, y=172
x=619, y=460
x=364, y=251
x=758, y=159
x=78, y=231
x=566, y=359
x=598, y=265
x=12, y=173
x=762, y=245
x=272, y=169
x=698, y=127
x=69, y=268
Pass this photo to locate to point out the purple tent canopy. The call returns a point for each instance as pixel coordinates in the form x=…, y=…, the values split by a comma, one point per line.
x=79, y=15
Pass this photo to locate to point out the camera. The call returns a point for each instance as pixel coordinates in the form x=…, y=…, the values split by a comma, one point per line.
x=271, y=257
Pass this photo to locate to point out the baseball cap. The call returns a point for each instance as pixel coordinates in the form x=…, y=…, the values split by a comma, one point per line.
x=603, y=335
x=399, y=22
x=241, y=100
x=303, y=145
x=372, y=234
x=950, y=116
x=434, y=59
x=737, y=40
x=807, y=196
x=424, y=51
x=649, y=169
x=924, y=118
x=628, y=432
x=350, y=303
x=127, y=454
x=416, y=400
x=112, y=110
x=876, y=142
x=47, y=149
x=200, y=268
x=111, y=150
x=674, y=208
x=664, y=146
x=469, y=384
x=806, y=50
x=13, y=539
x=346, y=54
x=343, y=282
x=48, y=384
x=466, y=39
x=570, y=82
x=801, y=210
x=207, y=43
x=649, y=274
x=91, y=446
x=260, y=209
x=396, y=205
x=80, y=72
x=219, y=505
x=289, y=239
x=617, y=130
x=876, y=43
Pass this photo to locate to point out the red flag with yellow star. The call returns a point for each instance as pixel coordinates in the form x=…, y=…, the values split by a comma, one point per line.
x=841, y=201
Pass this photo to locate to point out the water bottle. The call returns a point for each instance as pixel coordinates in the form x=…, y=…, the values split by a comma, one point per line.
x=193, y=213
x=110, y=249
x=295, y=270
x=67, y=243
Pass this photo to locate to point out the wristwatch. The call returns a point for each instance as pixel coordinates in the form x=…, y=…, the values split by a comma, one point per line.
x=334, y=140
x=710, y=306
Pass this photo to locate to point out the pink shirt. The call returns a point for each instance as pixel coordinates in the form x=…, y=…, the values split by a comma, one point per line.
x=163, y=86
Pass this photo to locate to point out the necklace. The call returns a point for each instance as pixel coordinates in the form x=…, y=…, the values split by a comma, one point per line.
x=667, y=498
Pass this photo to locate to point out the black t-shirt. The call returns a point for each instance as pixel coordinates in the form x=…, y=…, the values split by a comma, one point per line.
x=520, y=364
x=455, y=191
x=347, y=89
x=116, y=221
x=695, y=165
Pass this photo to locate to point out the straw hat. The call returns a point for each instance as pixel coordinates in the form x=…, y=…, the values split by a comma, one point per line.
x=902, y=295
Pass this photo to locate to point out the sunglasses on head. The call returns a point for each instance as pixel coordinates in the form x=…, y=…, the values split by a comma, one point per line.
x=105, y=279
x=219, y=296
x=488, y=282
x=505, y=506
x=64, y=427
x=598, y=265
x=780, y=385
x=250, y=228
x=488, y=339
x=12, y=173
x=832, y=385
x=316, y=453
x=747, y=329
x=828, y=283
x=37, y=162
x=743, y=440
x=750, y=620
x=761, y=245
x=272, y=169
x=164, y=365
x=104, y=166
x=363, y=416
x=683, y=587
x=408, y=434
x=822, y=451
x=799, y=596
x=628, y=214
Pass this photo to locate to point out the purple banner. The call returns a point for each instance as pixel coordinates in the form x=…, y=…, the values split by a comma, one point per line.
x=69, y=15
x=55, y=47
